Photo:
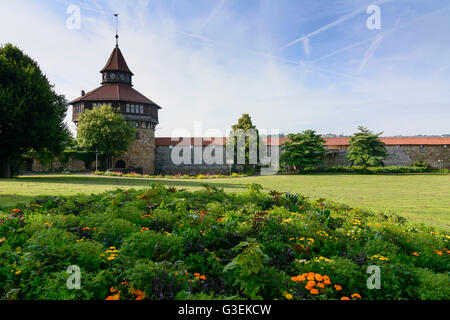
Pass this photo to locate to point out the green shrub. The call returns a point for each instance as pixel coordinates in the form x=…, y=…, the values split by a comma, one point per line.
x=114, y=232
x=159, y=280
x=52, y=248
x=421, y=164
x=86, y=254
x=369, y=170
x=434, y=286
x=152, y=245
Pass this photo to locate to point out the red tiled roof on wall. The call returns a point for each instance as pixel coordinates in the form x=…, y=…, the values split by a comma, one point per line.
x=167, y=141
x=189, y=141
x=405, y=141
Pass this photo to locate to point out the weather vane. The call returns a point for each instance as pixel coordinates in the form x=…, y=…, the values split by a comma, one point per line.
x=117, y=29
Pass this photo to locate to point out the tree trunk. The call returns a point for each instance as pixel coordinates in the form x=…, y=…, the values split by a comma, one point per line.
x=108, y=161
x=5, y=168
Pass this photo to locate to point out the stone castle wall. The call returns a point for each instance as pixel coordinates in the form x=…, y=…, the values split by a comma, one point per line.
x=141, y=153
x=165, y=165
x=403, y=155
x=406, y=155
x=72, y=165
x=157, y=159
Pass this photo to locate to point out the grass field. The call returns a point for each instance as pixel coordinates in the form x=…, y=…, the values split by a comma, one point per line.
x=418, y=197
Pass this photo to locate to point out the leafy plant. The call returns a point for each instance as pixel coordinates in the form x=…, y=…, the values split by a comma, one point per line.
x=248, y=266
x=303, y=150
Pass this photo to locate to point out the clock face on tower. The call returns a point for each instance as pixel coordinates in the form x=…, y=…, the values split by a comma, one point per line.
x=112, y=76
x=122, y=77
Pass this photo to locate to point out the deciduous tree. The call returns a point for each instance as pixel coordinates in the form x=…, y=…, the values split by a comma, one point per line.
x=105, y=130
x=31, y=112
x=304, y=149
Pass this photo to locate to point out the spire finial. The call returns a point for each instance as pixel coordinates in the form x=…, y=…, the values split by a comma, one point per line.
x=117, y=29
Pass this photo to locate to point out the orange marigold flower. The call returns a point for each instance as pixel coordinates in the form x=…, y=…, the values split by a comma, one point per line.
x=311, y=277
x=337, y=287
x=355, y=295
x=203, y=277
x=196, y=274
x=113, y=297
x=318, y=277
x=294, y=278
x=320, y=285
x=327, y=281
x=140, y=297
x=314, y=291
x=137, y=292
x=301, y=278
x=112, y=290
x=310, y=285
x=345, y=298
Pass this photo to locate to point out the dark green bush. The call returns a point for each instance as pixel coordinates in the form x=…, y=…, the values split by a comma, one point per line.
x=369, y=170
x=114, y=232
x=152, y=245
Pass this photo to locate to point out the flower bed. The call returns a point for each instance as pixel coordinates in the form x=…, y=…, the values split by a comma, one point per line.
x=163, y=243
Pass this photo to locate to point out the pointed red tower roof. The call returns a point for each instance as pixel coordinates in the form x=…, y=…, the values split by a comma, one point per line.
x=116, y=62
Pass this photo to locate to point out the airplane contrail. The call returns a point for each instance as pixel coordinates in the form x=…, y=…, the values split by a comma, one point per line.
x=213, y=14
x=370, y=52
x=330, y=25
x=397, y=27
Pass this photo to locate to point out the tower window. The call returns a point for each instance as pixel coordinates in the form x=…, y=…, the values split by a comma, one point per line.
x=128, y=108
x=142, y=109
x=132, y=108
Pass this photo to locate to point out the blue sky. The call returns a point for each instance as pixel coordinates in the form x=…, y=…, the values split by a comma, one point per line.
x=212, y=60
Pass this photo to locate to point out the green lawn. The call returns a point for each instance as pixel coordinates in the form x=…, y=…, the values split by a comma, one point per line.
x=419, y=197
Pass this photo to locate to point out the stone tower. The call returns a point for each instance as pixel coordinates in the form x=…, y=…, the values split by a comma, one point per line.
x=117, y=91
